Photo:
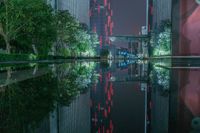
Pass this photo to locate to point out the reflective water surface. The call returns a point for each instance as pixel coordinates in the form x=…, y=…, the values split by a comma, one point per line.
x=94, y=97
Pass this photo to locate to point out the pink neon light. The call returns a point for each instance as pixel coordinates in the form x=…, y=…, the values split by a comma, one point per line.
x=105, y=2
x=100, y=41
x=94, y=29
x=99, y=9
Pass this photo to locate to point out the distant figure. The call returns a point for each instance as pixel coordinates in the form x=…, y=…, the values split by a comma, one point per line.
x=191, y=31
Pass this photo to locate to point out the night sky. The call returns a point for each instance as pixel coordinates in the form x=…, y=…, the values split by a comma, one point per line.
x=128, y=16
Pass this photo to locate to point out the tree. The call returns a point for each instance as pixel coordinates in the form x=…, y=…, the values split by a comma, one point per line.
x=71, y=35
x=27, y=23
x=67, y=27
x=161, y=41
x=9, y=21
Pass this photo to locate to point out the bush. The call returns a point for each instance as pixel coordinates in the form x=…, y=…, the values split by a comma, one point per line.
x=161, y=40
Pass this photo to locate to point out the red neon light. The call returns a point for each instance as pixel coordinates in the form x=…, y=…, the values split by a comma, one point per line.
x=109, y=96
x=99, y=9
x=109, y=109
x=100, y=41
x=111, y=89
x=109, y=6
x=109, y=42
x=111, y=125
x=94, y=29
x=105, y=28
x=109, y=20
x=105, y=2
x=105, y=114
x=107, y=102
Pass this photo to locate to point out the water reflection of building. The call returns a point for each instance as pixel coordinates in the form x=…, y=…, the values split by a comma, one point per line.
x=176, y=110
x=159, y=112
x=158, y=101
x=74, y=118
x=117, y=103
x=101, y=104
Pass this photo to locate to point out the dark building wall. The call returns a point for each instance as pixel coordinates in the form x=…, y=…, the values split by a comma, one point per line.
x=128, y=118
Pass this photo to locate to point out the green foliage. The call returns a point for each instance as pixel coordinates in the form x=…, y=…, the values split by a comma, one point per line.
x=74, y=79
x=67, y=27
x=28, y=26
x=104, y=53
x=40, y=31
x=85, y=43
x=71, y=38
x=161, y=42
x=27, y=22
x=25, y=104
x=165, y=24
x=160, y=78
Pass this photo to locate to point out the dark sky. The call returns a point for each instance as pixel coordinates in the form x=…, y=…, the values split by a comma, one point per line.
x=128, y=16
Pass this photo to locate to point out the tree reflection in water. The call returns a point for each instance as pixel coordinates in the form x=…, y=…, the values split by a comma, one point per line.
x=25, y=104
x=160, y=79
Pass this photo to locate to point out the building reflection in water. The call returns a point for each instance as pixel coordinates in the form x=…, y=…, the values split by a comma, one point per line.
x=117, y=101
x=101, y=104
x=136, y=97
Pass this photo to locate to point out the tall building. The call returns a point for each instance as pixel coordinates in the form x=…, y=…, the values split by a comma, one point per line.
x=101, y=15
